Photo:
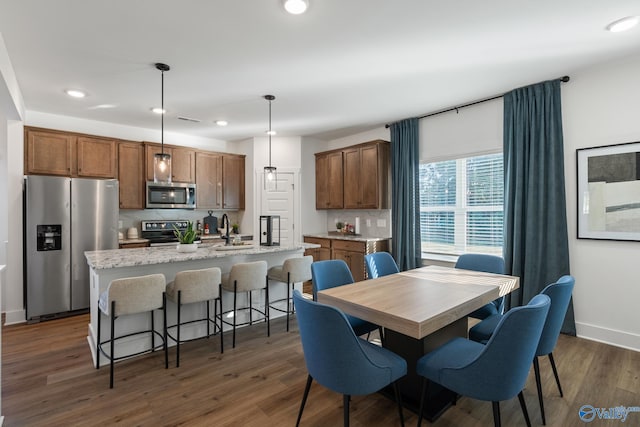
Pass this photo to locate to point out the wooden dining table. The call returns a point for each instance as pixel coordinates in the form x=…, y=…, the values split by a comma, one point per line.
x=420, y=310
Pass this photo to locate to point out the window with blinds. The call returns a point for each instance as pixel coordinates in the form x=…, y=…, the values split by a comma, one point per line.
x=461, y=205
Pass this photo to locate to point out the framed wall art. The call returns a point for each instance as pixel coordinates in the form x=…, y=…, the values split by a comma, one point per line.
x=609, y=192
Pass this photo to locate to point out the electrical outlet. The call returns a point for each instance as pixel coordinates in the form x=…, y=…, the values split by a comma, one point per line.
x=119, y=223
x=368, y=223
x=382, y=223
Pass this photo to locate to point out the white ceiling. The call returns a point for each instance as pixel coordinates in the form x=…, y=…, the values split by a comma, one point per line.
x=343, y=67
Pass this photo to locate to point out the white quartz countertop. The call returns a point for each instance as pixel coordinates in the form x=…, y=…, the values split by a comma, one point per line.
x=347, y=237
x=116, y=258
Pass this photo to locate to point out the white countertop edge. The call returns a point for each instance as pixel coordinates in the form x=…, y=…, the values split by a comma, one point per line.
x=116, y=258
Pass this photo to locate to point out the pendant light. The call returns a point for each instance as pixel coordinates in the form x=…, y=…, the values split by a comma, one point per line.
x=270, y=172
x=162, y=160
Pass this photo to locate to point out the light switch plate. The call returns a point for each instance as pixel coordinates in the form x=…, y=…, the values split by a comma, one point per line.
x=368, y=223
x=382, y=223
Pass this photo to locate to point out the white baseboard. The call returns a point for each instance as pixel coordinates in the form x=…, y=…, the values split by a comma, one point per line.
x=613, y=337
x=15, y=317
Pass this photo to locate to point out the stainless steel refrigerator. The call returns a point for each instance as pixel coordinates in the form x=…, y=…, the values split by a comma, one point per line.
x=63, y=218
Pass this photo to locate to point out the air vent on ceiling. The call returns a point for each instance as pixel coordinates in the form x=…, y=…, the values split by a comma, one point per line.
x=189, y=119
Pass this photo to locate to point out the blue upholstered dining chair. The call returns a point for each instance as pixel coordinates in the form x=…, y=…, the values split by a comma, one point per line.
x=487, y=264
x=339, y=360
x=331, y=273
x=560, y=294
x=380, y=264
x=495, y=371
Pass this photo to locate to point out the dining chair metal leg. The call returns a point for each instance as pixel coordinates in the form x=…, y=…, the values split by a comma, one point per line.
x=523, y=406
x=396, y=391
x=304, y=398
x=536, y=370
x=345, y=401
x=555, y=373
x=221, y=322
x=178, y=331
x=98, y=347
x=164, y=331
x=496, y=414
x=423, y=397
x=235, y=301
x=266, y=307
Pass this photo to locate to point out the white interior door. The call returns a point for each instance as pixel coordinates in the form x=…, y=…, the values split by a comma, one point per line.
x=279, y=200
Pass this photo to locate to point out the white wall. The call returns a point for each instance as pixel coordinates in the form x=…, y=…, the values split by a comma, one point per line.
x=601, y=106
x=358, y=138
x=313, y=221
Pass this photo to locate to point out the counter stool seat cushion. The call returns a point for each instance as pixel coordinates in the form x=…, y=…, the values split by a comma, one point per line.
x=195, y=285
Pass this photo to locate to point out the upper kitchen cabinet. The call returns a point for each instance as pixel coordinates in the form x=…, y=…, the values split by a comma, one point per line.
x=366, y=176
x=97, y=157
x=208, y=180
x=49, y=152
x=183, y=162
x=329, y=180
x=355, y=177
x=233, y=182
x=131, y=175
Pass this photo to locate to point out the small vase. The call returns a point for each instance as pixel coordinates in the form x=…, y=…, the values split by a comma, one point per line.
x=187, y=247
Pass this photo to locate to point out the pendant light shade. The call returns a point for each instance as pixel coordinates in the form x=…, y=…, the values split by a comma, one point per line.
x=270, y=172
x=162, y=160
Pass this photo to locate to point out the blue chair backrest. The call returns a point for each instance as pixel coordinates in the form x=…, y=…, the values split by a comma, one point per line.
x=380, y=264
x=332, y=352
x=560, y=294
x=481, y=262
x=329, y=274
x=501, y=369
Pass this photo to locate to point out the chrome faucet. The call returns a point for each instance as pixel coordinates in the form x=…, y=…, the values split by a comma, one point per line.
x=224, y=219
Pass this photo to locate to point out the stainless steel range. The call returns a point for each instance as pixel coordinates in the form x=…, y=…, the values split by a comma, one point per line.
x=160, y=233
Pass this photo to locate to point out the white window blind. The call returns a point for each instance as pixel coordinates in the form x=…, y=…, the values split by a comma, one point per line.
x=461, y=205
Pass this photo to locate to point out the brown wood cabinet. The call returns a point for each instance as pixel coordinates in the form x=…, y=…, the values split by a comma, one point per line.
x=350, y=251
x=329, y=180
x=220, y=177
x=353, y=254
x=355, y=177
x=131, y=175
x=97, y=157
x=366, y=176
x=49, y=152
x=125, y=245
x=322, y=253
x=183, y=161
x=208, y=180
x=233, y=182
x=52, y=152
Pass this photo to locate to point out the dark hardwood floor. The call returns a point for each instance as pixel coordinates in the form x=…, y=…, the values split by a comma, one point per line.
x=48, y=380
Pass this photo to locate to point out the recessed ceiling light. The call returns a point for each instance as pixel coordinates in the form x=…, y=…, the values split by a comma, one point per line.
x=623, y=24
x=158, y=110
x=270, y=132
x=75, y=93
x=222, y=122
x=296, y=7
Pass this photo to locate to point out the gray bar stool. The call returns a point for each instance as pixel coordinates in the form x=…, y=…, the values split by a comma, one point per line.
x=192, y=286
x=293, y=270
x=129, y=296
x=246, y=277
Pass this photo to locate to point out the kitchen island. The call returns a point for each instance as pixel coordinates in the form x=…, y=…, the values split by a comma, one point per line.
x=107, y=265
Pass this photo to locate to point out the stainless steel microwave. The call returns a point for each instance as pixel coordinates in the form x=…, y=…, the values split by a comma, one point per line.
x=171, y=195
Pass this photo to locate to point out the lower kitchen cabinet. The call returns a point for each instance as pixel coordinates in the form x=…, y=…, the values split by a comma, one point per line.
x=349, y=250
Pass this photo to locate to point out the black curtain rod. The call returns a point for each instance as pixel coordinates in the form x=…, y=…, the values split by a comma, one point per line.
x=563, y=79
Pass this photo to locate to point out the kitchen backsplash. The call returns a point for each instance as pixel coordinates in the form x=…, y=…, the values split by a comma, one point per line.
x=131, y=218
x=374, y=223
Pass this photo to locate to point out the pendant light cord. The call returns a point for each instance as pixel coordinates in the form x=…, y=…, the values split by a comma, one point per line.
x=269, y=132
x=162, y=112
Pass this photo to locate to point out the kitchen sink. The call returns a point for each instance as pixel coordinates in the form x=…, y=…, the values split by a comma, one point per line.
x=234, y=247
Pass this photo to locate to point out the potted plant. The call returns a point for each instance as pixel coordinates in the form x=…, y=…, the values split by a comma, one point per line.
x=235, y=227
x=339, y=225
x=186, y=238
